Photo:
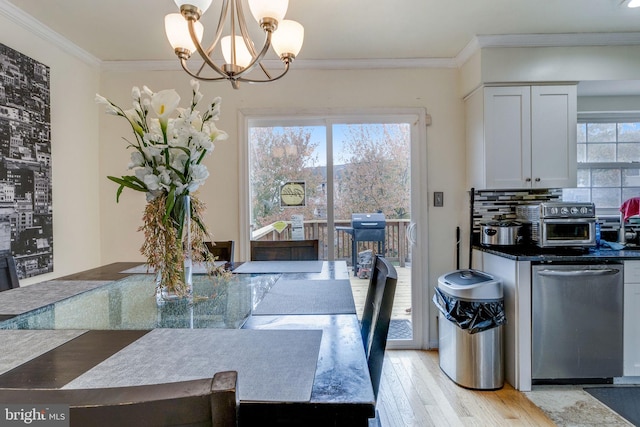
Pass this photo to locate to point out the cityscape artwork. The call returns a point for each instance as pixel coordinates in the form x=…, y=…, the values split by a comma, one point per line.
x=26, y=228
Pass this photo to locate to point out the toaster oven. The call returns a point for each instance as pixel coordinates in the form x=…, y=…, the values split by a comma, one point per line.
x=560, y=224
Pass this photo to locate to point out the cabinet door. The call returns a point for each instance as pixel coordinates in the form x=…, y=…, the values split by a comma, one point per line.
x=507, y=137
x=553, y=136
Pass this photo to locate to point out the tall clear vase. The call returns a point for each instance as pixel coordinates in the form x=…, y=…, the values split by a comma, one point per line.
x=188, y=261
x=166, y=293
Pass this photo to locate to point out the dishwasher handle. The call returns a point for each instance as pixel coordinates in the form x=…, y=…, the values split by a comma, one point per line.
x=578, y=272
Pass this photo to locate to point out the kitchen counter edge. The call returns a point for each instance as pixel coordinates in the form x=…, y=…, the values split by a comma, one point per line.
x=536, y=254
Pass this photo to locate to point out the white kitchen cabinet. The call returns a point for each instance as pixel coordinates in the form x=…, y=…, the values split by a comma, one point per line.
x=631, y=340
x=521, y=137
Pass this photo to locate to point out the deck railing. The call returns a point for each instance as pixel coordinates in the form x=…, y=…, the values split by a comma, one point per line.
x=396, y=243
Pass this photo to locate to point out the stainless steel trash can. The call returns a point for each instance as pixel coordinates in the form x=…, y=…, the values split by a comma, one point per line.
x=471, y=360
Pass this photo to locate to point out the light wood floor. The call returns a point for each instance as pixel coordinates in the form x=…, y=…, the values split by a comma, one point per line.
x=415, y=392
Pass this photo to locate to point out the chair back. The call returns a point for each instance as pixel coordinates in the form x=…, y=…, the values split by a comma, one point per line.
x=204, y=402
x=8, y=274
x=376, y=316
x=284, y=250
x=223, y=251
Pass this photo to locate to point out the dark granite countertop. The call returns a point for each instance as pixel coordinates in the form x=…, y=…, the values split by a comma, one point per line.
x=536, y=254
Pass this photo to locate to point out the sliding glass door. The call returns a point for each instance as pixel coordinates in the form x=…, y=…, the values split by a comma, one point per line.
x=314, y=178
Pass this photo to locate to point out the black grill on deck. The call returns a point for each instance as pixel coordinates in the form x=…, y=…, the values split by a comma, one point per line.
x=365, y=227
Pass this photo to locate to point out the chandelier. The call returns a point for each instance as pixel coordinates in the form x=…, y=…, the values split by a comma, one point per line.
x=185, y=30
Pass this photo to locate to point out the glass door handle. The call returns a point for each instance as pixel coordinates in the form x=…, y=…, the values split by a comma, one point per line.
x=411, y=233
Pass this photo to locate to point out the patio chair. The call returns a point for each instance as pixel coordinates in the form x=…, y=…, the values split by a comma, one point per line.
x=284, y=250
x=223, y=251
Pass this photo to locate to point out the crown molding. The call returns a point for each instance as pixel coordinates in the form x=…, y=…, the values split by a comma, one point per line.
x=14, y=14
x=300, y=64
x=559, y=40
x=467, y=52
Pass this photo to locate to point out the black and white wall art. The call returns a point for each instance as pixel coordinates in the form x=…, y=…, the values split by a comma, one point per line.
x=26, y=228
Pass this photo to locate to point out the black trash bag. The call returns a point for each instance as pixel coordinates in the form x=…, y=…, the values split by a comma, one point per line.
x=472, y=316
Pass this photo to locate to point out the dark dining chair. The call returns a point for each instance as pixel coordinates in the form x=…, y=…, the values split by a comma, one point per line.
x=203, y=402
x=8, y=274
x=284, y=250
x=376, y=316
x=223, y=251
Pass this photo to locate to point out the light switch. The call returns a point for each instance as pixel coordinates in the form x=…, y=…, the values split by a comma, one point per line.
x=438, y=199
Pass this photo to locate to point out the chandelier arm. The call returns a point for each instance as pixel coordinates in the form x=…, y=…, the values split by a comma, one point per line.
x=256, y=60
x=271, y=79
x=197, y=75
x=233, y=52
x=242, y=23
x=201, y=51
x=223, y=17
x=266, y=73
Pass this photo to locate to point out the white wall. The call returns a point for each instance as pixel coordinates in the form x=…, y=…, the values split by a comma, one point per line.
x=608, y=104
x=74, y=146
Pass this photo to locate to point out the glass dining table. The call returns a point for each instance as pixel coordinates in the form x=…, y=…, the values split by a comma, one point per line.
x=293, y=336
x=218, y=302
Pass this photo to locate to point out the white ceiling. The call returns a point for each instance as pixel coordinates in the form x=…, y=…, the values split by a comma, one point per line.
x=337, y=30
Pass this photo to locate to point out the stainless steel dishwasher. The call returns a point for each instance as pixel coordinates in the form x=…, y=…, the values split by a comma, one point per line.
x=576, y=322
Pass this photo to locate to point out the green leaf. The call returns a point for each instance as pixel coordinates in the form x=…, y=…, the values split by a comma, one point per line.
x=130, y=182
x=179, y=173
x=171, y=201
x=118, y=193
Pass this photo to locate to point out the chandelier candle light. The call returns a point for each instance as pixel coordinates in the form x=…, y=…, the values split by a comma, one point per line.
x=185, y=30
x=167, y=153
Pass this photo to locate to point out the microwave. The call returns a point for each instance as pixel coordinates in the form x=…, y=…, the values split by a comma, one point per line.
x=562, y=224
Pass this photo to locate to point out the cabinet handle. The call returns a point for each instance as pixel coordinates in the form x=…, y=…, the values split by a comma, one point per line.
x=528, y=179
x=537, y=179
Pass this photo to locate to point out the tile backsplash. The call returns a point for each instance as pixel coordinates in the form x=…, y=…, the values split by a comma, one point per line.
x=501, y=204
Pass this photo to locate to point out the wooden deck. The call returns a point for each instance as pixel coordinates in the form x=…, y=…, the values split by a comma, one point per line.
x=401, y=301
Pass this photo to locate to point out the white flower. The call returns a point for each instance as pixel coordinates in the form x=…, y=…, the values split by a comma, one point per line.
x=165, y=178
x=152, y=151
x=179, y=160
x=101, y=99
x=110, y=108
x=141, y=173
x=134, y=118
x=164, y=103
x=199, y=173
x=152, y=181
x=216, y=134
x=137, y=160
x=154, y=128
x=171, y=143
